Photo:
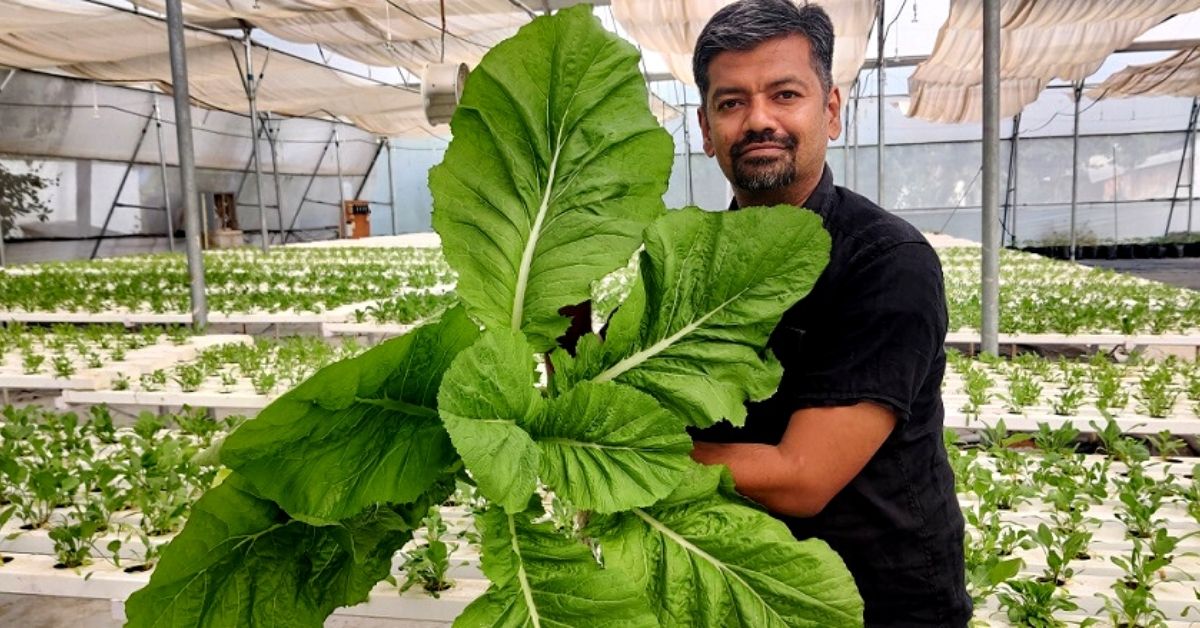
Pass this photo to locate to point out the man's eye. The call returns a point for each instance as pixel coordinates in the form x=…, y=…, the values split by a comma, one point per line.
x=726, y=104
x=788, y=95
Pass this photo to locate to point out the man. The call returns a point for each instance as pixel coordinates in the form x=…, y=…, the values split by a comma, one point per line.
x=849, y=450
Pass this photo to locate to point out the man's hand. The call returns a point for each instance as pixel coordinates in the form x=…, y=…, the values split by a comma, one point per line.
x=821, y=451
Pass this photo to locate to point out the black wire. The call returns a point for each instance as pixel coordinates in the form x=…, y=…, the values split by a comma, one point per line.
x=887, y=29
x=435, y=26
x=961, y=198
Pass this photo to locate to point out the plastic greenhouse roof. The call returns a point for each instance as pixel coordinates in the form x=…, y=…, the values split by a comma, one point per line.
x=1040, y=40
x=1177, y=75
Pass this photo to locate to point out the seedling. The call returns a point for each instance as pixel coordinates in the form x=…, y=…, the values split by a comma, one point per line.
x=1157, y=392
x=228, y=381
x=189, y=377
x=428, y=564
x=32, y=362
x=1032, y=602
x=978, y=384
x=1024, y=390
x=154, y=381
x=263, y=381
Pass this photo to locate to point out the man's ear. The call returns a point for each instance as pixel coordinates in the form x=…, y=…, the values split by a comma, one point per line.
x=703, y=120
x=834, y=111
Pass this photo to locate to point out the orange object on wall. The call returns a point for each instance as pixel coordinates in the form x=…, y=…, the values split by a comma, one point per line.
x=357, y=219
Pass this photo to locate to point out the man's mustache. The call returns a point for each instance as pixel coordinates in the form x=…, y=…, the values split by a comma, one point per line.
x=786, y=142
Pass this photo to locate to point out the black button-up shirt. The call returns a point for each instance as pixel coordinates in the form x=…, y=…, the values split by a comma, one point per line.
x=873, y=329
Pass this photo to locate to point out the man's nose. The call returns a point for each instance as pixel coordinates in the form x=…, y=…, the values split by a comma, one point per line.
x=759, y=118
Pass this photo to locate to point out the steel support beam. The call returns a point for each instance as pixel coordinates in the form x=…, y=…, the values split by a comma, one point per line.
x=391, y=185
x=689, y=195
x=341, y=210
x=3, y=256
x=1189, y=142
x=162, y=171
x=990, y=264
x=1077, y=92
x=854, y=125
x=121, y=186
x=251, y=86
x=272, y=138
x=1192, y=170
x=1010, y=191
x=362, y=185
x=308, y=187
x=187, y=161
x=879, y=87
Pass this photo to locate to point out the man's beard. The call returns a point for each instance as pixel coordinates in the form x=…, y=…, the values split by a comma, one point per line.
x=761, y=174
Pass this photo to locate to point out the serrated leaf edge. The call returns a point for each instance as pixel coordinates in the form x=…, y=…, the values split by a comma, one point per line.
x=666, y=531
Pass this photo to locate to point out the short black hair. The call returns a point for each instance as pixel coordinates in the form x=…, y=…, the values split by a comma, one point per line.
x=745, y=24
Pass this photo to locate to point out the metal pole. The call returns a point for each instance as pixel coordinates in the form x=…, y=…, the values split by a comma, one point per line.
x=687, y=157
x=1192, y=175
x=1078, y=90
x=121, y=187
x=1014, y=169
x=1116, y=191
x=3, y=258
x=162, y=168
x=854, y=120
x=990, y=271
x=391, y=186
x=187, y=162
x=846, y=138
x=1183, y=163
x=271, y=138
x=362, y=185
x=252, y=96
x=341, y=210
x=879, y=88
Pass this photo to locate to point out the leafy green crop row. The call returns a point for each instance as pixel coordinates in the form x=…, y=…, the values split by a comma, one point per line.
x=309, y=280
x=1023, y=509
x=1154, y=388
x=1039, y=295
x=1036, y=518
x=262, y=367
x=84, y=478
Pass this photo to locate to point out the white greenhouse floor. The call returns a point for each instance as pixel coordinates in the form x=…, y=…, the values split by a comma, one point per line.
x=417, y=240
x=33, y=611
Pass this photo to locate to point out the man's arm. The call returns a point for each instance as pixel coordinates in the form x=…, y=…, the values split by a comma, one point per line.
x=822, y=449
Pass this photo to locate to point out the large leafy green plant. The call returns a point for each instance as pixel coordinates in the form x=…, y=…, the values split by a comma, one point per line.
x=554, y=179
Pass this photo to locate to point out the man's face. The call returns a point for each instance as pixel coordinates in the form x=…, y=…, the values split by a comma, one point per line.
x=767, y=120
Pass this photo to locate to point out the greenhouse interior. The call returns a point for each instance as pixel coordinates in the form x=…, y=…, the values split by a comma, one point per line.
x=938, y=368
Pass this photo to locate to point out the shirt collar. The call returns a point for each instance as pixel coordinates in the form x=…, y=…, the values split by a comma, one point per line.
x=820, y=199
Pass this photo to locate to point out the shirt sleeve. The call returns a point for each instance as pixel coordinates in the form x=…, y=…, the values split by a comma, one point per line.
x=879, y=340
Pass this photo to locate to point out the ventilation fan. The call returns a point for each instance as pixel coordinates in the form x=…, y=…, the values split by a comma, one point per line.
x=441, y=88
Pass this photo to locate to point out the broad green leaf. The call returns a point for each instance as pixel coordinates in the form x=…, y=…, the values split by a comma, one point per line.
x=486, y=401
x=541, y=578
x=556, y=167
x=608, y=447
x=358, y=432
x=708, y=559
x=241, y=561
x=694, y=329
